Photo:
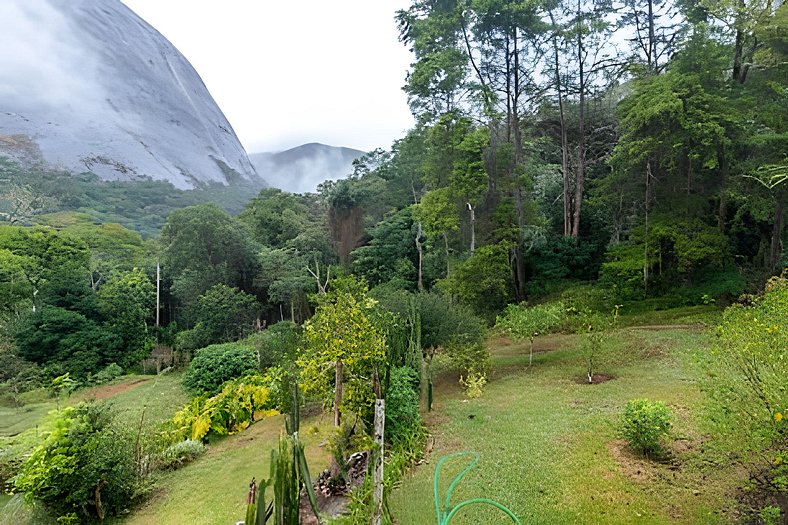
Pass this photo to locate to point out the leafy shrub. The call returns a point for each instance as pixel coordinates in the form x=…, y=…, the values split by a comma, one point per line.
x=180, y=453
x=644, y=423
x=770, y=515
x=483, y=281
x=192, y=339
x=55, y=336
x=238, y=405
x=623, y=272
x=445, y=324
x=216, y=364
x=276, y=343
x=469, y=359
x=587, y=298
x=474, y=384
x=85, y=455
x=109, y=373
x=524, y=323
x=746, y=375
x=403, y=418
x=347, y=439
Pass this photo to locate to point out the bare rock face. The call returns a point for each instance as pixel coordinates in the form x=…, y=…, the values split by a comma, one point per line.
x=87, y=85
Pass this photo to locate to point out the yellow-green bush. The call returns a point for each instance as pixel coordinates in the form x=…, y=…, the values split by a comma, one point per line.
x=747, y=379
x=240, y=402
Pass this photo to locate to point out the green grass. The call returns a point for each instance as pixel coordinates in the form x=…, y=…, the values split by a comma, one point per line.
x=213, y=489
x=548, y=443
x=160, y=396
x=645, y=314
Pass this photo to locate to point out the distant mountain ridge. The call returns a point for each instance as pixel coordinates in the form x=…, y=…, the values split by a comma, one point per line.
x=301, y=169
x=87, y=85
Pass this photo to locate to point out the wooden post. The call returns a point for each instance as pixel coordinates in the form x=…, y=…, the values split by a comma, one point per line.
x=377, y=475
x=158, y=293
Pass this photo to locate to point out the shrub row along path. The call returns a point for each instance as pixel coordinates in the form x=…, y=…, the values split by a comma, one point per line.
x=548, y=443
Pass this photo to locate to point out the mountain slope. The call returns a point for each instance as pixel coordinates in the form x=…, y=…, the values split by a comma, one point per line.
x=301, y=169
x=87, y=85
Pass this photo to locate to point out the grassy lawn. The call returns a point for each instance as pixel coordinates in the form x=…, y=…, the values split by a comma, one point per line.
x=14, y=420
x=548, y=444
x=159, y=396
x=213, y=488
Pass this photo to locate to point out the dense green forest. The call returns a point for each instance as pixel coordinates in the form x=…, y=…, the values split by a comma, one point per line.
x=569, y=160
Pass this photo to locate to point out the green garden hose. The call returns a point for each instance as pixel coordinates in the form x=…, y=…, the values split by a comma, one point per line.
x=445, y=515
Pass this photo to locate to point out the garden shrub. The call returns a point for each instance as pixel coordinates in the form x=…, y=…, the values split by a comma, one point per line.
x=86, y=453
x=403, y=418
x=622, y=274
x=469, y=360
x=240, y=402
x=746, y=374
x=446, y=324
x=216, y=364
x=109, y=373
x=192, y=339
x=522, y=322
x=275, y=344
x=180, y=453
x=644, y=423
x=483, y=281
x=770, y=515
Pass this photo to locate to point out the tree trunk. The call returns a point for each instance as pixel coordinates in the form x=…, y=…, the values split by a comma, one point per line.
x=158, y=295
x=564, y=140
x=446, y=246
x=645, y=251
x=652, y=40
x=338, y=392
x=722, y=213
x=473, y=226
x=420, y=249
x=777, y=231
x=581, y=146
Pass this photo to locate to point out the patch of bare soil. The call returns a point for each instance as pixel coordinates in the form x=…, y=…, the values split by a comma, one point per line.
x=761, y=496
x=632, y=466
x=328, y=505
x=595, y=379
x=698, y=327
x=503, y=346
x=107, y=391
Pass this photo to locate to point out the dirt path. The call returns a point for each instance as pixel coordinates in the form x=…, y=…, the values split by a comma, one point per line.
x=106, y=391
x=698, y=327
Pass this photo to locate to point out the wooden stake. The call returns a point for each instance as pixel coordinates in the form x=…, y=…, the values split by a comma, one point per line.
x=377, y=475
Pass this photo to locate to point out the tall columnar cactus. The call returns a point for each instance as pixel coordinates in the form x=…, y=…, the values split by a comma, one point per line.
x=289, y=472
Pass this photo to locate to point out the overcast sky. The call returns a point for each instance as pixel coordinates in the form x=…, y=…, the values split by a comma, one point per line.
x=286, y=72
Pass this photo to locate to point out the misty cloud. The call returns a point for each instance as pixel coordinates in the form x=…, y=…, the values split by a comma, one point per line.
x=43, y=62
x=301, y=169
